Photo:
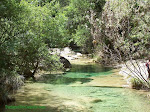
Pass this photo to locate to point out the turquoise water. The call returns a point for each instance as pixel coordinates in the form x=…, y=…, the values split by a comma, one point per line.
x=84, y=71
x=80, y=73
x=73, y=92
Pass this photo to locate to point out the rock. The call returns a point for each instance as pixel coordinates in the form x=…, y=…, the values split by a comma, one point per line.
x=22, y=77
x=27, y=74
x=96, y=101
x=79, y=54
x=66, y=63
x=126, y=86
x=73, y=45
x=75, y=57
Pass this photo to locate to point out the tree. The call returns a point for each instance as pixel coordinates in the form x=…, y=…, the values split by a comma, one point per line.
x=82, y=21
x=22, y=44
x=123, y=31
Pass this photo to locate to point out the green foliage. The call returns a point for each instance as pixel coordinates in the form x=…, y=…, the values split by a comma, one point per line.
x=80, y=24
x=137, y=84
x=124, y=31
x=9, y=8
x=24, y=28
x=81, y=35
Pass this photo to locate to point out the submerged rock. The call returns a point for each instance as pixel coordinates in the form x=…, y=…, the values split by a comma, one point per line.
x=96, y=101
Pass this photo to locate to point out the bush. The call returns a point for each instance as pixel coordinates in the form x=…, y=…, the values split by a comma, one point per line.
x=137, y=84
x=10, y=81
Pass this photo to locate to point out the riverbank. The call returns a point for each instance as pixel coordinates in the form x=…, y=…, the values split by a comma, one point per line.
x=121, y=76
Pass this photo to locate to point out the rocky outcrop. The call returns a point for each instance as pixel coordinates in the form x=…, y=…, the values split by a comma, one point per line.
x=66, y=63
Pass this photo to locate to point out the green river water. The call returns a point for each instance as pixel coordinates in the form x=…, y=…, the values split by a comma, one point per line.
x=86, y=88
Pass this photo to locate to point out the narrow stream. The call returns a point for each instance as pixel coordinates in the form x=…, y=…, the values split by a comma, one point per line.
x=86, y=88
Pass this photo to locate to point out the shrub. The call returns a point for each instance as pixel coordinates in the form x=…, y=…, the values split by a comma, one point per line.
x=137, y=84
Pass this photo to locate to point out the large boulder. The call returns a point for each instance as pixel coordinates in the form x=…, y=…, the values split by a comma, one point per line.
x=27, y=74
x=66, y=63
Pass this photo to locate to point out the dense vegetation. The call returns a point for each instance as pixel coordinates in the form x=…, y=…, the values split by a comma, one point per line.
x=113, y=30
x=125, y=30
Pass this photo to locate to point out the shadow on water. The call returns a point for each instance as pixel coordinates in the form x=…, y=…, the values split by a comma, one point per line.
x=92, y=68
x=78, y=73
x=60, y=79
x=86, y=71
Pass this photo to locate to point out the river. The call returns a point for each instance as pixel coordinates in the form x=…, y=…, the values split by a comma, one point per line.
x=87, y=87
